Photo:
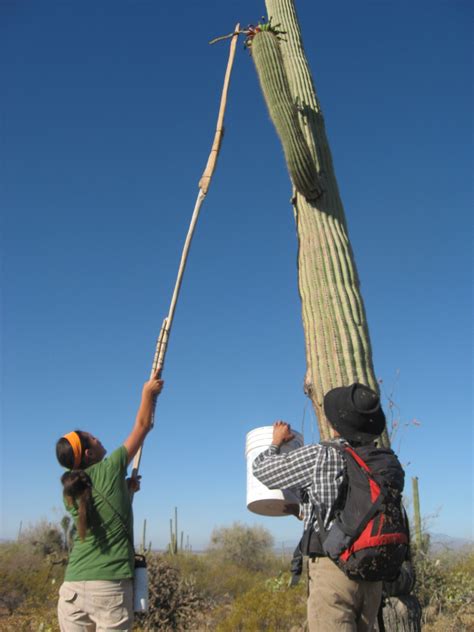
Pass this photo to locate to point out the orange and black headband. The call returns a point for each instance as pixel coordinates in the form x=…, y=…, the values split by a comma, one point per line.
x=75, y=443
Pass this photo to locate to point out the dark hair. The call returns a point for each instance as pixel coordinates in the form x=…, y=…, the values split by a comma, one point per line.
x=77, y=485
x=65, y=454
x=77, y=490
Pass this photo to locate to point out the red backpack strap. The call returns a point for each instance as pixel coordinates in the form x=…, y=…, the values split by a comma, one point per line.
x=377, y=492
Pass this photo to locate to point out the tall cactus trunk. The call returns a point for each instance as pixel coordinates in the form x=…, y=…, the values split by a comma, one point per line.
x=338, y=350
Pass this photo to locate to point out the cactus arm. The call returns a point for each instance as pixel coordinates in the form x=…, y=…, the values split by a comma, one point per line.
x=267, y=57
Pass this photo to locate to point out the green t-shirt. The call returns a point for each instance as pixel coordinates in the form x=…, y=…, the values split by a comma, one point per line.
x=106, y=553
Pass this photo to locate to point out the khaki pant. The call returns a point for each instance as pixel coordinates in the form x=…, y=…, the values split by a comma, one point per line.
x=96, y=606
x=337, y=603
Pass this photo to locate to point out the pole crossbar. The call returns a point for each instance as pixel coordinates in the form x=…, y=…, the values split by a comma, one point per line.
x=204, y=183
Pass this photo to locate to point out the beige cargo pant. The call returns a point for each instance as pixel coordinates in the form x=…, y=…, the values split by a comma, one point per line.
x=96, y=606
x=337, y=603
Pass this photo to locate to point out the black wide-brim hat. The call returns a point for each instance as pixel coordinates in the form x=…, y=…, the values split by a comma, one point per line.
x=355, y=412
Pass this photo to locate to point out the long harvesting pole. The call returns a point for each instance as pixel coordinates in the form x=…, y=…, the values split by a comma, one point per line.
x=204, y=183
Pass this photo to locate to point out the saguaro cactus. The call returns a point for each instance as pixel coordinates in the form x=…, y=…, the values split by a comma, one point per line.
x=173, y=545
x=422, y=540
x=338, y=350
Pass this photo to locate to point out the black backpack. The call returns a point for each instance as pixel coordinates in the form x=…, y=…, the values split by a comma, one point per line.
x=368, y=538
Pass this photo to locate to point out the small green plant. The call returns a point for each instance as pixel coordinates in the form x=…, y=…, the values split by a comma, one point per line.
x=267, y=608
x=445, y=585
x=278, y=583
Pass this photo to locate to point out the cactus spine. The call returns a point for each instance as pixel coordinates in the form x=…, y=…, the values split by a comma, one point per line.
x=338, y=350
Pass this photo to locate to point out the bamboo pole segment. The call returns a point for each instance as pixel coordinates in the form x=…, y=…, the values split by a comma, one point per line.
x=204, y=183
x=205, y=180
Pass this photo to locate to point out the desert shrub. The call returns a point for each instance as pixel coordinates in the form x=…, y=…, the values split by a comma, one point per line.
x=219, y=580
x=459, y=590
x=37, y=619
x=250, y=547
x=430, y=582
x=269, y=607
x=28, y=577
x=445, y=584
x=174, y=601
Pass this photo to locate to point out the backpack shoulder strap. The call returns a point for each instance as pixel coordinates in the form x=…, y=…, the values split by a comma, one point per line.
x=358, y=466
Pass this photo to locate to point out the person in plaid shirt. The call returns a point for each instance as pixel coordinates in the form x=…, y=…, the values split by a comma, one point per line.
x=316, y=472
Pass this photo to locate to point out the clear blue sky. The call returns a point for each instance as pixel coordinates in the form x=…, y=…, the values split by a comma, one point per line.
x=108, y=113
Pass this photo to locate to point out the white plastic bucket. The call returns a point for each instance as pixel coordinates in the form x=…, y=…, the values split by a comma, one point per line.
x=260, y=499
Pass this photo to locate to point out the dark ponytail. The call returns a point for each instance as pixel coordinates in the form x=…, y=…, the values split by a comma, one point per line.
x=77, y=490
x=77, y=485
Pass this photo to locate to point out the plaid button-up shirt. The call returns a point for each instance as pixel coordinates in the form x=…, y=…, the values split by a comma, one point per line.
x=314, y=471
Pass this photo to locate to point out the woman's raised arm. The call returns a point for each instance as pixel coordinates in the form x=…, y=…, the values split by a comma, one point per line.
x=143, y=422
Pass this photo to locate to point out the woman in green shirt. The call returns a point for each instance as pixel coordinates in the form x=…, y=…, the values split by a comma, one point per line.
x=97, y=593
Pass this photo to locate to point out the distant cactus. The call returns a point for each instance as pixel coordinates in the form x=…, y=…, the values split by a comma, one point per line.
x=422, y=540
x=173, y=545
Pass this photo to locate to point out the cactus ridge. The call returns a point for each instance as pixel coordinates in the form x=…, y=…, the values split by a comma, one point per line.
x=271, y=72
x=338, y=350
